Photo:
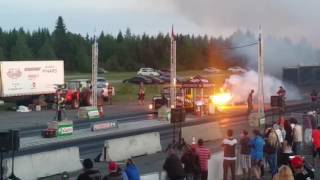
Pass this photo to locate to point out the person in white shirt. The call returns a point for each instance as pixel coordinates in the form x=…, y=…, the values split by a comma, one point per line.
x=297, y=136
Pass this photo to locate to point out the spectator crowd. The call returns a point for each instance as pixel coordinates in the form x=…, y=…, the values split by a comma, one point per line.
x=278, y=149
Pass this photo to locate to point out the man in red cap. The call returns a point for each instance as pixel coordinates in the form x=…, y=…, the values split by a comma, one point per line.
x=300, y=171
x=114, y=174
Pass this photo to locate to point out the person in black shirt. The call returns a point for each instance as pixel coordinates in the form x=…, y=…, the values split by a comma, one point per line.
x=88, y=173
x=300, y=171
x=173, y=166
x=245, y=157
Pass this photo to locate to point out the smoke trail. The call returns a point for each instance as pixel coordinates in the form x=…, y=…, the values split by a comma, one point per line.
x=241, y=84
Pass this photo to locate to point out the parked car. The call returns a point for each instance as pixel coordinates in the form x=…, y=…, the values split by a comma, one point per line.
x=102, y=85
x=211, y=70
x=164, y=72
x=156, y=80
x=166, y=79
x=237, y=69
x=138, y=80
x=102, y=71
x=148, y=72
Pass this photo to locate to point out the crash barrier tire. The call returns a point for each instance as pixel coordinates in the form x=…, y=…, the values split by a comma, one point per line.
x=206, y=131
x=123, y=148
x=34, y=166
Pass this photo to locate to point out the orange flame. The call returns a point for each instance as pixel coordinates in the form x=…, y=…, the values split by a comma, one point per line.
x=221, y=98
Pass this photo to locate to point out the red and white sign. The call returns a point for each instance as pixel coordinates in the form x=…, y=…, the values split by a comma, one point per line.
x=30, y=77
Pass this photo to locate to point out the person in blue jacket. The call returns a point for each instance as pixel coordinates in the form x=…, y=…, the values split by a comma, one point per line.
x=132, y=170
x=257, y=144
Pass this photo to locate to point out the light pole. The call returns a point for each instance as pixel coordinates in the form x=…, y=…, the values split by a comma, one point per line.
x=94, y=73
x=261, y=115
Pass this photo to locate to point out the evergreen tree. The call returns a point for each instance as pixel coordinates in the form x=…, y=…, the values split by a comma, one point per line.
x=119, y=37
x=20, y=50
x=46, y=51
x=82, y=59
x=62, y=45
x=2, y=58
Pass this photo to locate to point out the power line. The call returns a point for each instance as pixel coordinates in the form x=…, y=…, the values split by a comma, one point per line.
x=237, y=47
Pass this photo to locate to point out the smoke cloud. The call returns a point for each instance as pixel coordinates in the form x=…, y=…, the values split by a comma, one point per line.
x=289, y=28
x=241, y=84
x=286, y=18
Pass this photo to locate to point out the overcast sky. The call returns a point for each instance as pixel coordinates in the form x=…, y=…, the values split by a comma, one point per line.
x=293, y=18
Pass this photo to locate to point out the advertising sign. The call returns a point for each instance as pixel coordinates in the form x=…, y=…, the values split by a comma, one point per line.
x=65, y=129
x=30, y=77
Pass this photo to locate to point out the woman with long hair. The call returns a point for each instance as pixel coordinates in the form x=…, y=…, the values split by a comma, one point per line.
x=270, y=149
x=285, y=173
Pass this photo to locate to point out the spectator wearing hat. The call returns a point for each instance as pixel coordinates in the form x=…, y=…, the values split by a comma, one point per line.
x=132, y=170
x=204, y=156
x=114, y=174
x=300, y=171
x=88, y=172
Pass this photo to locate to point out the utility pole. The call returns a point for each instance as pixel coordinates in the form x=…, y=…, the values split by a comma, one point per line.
x=94, y=73
x=173, y=70
x=261, y=115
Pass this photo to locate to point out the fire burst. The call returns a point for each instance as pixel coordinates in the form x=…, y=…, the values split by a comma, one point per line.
x=221, y=98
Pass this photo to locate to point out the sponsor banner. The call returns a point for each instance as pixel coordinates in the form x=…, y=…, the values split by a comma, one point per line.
x=30, y=77
x=93, y=114
x=65, y=129
x=104, y=125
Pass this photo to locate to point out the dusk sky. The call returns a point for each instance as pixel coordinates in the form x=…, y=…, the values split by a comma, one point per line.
x=293, y=18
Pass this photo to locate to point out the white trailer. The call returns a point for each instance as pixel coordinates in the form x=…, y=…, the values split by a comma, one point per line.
x=27, y=78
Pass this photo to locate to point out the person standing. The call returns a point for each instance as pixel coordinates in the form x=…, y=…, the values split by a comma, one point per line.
x=297, y=136
x=204, y=156
x=271, y=149
x=229, y=159
x=309, y=123
x=245, y=158
x=282, y=95
x=110, y=93
x=141, y=94
x=257, y=144
x=191, y=164
x=316, y=145
x=250, y=101
x=314, y=99
x=132, y=170
x=173, y=166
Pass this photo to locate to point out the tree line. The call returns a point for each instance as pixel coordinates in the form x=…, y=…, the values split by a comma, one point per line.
x=123, y=52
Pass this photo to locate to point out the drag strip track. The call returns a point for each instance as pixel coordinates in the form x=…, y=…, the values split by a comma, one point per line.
x=94, y=144
x=82, y=124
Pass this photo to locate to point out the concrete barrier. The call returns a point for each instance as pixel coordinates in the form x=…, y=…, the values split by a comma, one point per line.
x=207, y=131
x=215, y=166
x=34, y=166
x=122, y=148
x=151, y=176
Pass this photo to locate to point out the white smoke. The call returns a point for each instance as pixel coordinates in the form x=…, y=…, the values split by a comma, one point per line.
x=241, y=84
